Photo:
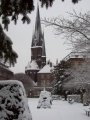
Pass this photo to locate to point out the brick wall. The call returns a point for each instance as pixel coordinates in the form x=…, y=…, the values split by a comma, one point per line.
x=44, y=79
x=5, y=73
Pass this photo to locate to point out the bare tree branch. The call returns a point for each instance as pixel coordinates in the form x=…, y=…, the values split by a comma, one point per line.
x=76, y=29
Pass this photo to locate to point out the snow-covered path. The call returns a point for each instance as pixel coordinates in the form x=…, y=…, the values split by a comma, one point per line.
x=60, y=110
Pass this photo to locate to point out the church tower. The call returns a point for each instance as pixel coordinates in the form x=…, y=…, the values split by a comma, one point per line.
x=38, y=53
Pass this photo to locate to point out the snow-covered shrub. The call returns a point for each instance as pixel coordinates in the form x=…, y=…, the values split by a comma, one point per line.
x=13, y=101
x=71, y=101
x=86, y=95
x=75, y=97
x=86, y=99
x=60, y=74
x=45, y=100
x=56, y=97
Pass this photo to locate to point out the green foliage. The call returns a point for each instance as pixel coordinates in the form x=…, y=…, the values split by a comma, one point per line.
x=75, y=1
x=59, y=76
x=15, y=7
x=6, y=51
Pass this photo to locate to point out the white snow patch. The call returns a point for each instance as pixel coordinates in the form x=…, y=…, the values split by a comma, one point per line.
x=60, y=110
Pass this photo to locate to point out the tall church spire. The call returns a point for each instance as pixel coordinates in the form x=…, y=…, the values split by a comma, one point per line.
x=38, y=22
x=37, y=35
x=38, y=52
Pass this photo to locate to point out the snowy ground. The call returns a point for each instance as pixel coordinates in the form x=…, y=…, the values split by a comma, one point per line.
x=60, y=110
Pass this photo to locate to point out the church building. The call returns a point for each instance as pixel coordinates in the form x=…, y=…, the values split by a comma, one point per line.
x=38, y=58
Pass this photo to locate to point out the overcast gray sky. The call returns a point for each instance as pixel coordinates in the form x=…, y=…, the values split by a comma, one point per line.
x=21, y=34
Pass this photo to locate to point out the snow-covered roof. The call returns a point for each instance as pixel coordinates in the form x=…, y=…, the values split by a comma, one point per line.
x=36, y=47
x=32, y=66
x=46, y=69
x=43, y=56
x=77, y=55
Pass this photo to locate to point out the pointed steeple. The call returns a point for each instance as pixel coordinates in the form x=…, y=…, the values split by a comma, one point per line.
x=38, y=22
x=38, y=52
x=37, y=35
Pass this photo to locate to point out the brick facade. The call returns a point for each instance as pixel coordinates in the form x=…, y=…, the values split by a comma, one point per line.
x=5, y=73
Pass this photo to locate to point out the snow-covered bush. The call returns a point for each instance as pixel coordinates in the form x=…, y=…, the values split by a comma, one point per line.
x=56, y=97
x=75, y=97
x=59, y=74
x=86, y=95
x=71, y=101
x=45, y=100
x=13, y=101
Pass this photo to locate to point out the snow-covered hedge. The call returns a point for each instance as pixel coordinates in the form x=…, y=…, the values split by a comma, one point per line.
x=13, y=101
x=56, y=97
x=45, y=100
x=75, y=97
x=86, y=96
